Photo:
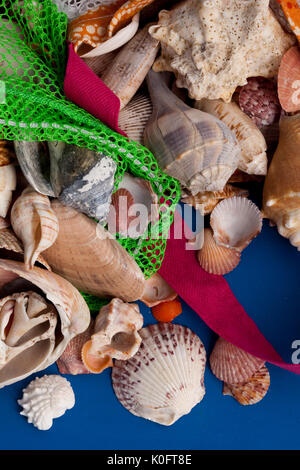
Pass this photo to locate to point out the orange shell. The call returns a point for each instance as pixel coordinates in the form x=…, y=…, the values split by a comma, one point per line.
x=121, y=200
x=289, y=80
x=70, y=361
x=292, y=12
x=124, y=14
x=231, y=364
x=217, y=259
x=251, y=392
x=93, y=363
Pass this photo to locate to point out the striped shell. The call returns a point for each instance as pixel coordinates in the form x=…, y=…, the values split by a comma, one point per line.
x=289, y=80
x=231, y=364
x=251, y=392
x=165, y=379
x=134, y=117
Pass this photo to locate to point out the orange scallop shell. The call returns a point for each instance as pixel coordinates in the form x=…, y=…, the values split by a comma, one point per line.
x=289, y=80
x=251, y=392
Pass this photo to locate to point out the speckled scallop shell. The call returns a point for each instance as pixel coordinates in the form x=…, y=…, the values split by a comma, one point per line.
x=165, y=379
x=251, y=392
x=289, y=80
x=235, y=222
x=231, y=364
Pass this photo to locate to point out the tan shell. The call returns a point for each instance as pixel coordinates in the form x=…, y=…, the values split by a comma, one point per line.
x=214, y=46
x=7, y=154
x=157, y=291
x=8, y=182
x=86, y=255
x=252, y=142
x=134, y=117
x=35, y=223
x=281, y=199
x=251, y=392
x=99, y=64
x=131, y=65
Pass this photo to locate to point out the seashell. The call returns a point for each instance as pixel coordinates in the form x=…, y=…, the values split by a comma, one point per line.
x=281, y=196
x=79, y=7
x=252, y=142
x=278, y=12
x=157, y=291
x=190, y=145
x=214, y=46
x=33, y=158
x=235, y=222
x=206, y=201
x=216, y=259
x=134, y=117
x=49, y=323
x=125, y=13
x=99, y=64
x=86, y=255
x=4, y=223
x=289, y=80
x=45, y=399
x=251, y=392
x=70, y=361
x=231, y=364
x=115, y=336
x=35, y=223
x=292, y=14
x=258, y=99
x=134, y=196
x=241, y=177
x=131, y=65
x=8, y=183
x=165, y=379
x=7, y=155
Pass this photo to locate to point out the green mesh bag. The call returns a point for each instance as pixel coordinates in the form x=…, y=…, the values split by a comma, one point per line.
x=33, y=61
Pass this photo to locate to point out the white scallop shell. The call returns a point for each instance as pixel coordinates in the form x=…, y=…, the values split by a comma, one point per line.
x=46, y=398
x=165, y=379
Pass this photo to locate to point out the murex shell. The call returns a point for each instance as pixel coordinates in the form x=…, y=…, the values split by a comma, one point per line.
x=46, y=398
x=165, y=379
x=214, y=46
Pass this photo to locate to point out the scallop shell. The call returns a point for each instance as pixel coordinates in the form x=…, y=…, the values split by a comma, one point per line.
x=251, y=392
x=157, y=291
x=165, y=379
x=134, y=117
x=235, y=222
x=216, y=259
x=289, y=80
x=35, y=223
x=231, y=364
x=46, y=398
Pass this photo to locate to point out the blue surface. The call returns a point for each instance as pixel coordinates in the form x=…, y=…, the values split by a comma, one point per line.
x=267, y=284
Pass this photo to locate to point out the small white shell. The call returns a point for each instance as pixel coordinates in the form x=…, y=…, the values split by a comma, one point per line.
x=46, y=398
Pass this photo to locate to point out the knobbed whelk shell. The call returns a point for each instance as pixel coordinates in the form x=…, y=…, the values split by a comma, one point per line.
x=251, y=392
x=252, y=142
x=35, y=223
x=46, y=398
x=213, y=46
x=190, y=145
x=165, y=379
x=86, y=255
x=281, y=197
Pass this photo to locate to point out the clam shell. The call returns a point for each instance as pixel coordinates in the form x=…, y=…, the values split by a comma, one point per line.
x=235, y=222
x=216, y=259
x=231, y=364
x=251, y=392
x=289, y=80
x=157, y=291
x=134, y=117
x=165, y=379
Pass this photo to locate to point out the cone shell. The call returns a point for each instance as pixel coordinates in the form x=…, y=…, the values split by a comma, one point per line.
x=231, y=364
x=134, y=117
x=235, y=222
x=216, y=259
x=289, y=80
x=251, y=392
x=157, y=291
x=165, y=379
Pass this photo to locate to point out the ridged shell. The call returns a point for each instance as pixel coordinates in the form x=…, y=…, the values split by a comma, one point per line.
x=157, y=291
x=99, y=64
x=165, y=379
x=216, y=259
x=35, y=223
x=231, y=364
x=70, y=361
x=289, y=80
x=134, y=117
x=46, y=398
x=190, y=145
x=235, y=222
x=251, y=392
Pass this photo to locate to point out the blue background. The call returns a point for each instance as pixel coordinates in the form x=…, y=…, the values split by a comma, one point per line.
x=267, y=284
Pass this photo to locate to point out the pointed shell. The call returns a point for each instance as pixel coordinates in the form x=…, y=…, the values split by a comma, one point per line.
x=231, y=364
x=46, y=398
x=134, y=117
x=35, y=223
x=157, y=291
x=165, y=379
x=289, y=80
x=251, y=392
x=235, y=222
x=216, y=259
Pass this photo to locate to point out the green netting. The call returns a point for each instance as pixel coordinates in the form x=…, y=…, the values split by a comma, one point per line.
x=32, y=66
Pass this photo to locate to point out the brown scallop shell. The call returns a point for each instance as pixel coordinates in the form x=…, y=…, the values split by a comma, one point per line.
x=251, y=392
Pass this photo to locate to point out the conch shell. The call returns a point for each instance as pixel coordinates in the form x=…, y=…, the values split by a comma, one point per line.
x=86, y=255
x=281, y=198
x=35, y=223
x=252, y=142
x=190, y=145
x=213, y=46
